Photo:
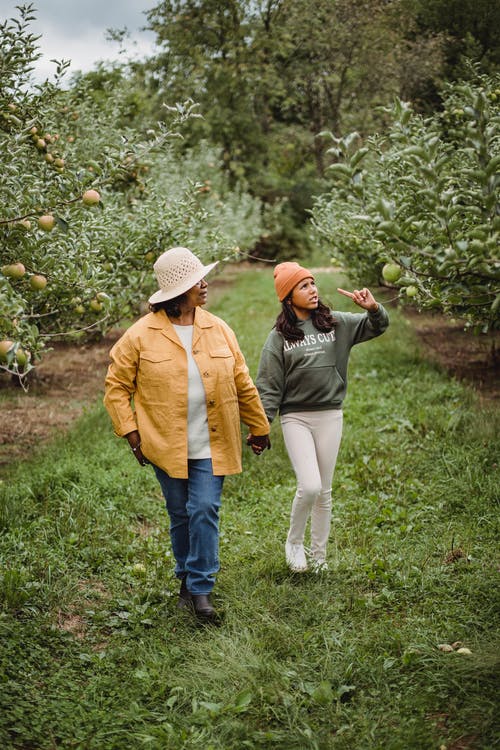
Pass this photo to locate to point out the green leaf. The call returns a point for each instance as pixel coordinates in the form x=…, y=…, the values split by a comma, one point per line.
x=62, y=224
x=360, y=154
x=323, y=693
x=495, y=305
x=342, y=169
x=386, y=208
x=242, y=700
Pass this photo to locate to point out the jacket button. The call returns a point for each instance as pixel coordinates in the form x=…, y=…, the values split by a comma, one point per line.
x=195, y=351
x=205, y=374
x=214, y=429
x=211, y=403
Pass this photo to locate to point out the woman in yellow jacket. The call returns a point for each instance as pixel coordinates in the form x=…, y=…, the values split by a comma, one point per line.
x=177, y=388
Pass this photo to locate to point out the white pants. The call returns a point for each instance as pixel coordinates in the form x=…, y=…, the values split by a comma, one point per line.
x=312, y=439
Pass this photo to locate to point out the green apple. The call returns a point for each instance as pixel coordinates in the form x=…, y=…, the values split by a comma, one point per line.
x=95, y=305
x=22, y=357
x=391, y=272
x=411, y=291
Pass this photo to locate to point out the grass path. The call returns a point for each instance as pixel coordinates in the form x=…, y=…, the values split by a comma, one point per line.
x=95, y=656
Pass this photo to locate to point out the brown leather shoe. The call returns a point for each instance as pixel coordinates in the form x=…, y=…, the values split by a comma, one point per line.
x=203, y=607
x=185, y=598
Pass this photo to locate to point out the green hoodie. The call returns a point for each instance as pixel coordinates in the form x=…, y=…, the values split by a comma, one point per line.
x=311, y=375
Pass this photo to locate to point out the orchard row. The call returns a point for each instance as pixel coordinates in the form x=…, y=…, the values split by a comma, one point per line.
x=93, y=191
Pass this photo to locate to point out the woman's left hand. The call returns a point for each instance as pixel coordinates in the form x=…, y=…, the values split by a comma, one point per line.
x=362, y=297
x=258, y=443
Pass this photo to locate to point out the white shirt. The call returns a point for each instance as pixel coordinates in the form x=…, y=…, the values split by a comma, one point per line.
x=198, y=438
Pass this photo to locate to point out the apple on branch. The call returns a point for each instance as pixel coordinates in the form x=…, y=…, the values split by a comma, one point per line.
x=38, y=282
x=91, y=198
x=47, y=222
x=5, y=347
x=14, y=270
x=391, y=272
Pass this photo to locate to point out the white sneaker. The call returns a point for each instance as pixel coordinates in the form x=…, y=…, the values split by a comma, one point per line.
x=295, y=557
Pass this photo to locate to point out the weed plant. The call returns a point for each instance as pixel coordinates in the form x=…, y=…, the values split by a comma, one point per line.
x=95, y=655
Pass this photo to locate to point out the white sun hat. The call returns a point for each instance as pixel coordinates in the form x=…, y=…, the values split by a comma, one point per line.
x=176, y=271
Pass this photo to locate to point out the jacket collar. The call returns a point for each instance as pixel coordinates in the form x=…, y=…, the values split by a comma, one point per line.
x=161, y=321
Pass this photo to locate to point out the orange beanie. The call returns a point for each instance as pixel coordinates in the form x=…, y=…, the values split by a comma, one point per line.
x=286, y=276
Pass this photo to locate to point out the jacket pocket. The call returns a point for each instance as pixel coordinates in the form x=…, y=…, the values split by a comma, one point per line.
x=156, y=369
x=222, y=361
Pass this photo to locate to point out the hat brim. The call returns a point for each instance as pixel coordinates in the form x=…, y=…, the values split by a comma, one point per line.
x=182, y=286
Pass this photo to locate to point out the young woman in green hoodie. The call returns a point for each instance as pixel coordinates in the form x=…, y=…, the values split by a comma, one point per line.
x=303, y=375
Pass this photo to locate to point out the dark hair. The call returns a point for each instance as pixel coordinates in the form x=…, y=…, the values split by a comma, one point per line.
x=171, y=306
x=286, y=322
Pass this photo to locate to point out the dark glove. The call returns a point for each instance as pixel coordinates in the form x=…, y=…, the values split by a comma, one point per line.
x=258, y=443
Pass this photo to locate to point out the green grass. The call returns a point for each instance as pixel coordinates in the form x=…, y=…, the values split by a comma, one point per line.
x=94, y=654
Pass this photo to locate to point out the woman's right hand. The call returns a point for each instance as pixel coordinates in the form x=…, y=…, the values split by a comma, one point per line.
x=134, y=440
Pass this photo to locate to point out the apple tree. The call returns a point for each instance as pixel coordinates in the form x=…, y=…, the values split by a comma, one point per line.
x=90, y=199
x=425, y=198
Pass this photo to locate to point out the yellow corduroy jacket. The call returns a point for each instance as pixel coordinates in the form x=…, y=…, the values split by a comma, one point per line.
x=147, y=390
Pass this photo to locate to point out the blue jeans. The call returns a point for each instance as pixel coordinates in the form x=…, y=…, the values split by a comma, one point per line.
x=193, y=508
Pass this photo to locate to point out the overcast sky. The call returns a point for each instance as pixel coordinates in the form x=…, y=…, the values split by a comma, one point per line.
x=76, y=30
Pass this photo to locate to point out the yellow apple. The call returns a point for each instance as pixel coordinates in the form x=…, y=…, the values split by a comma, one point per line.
x=47, y=222
x=38, y=282
x=5, y=347
x=91, y=198
x=14, y=270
